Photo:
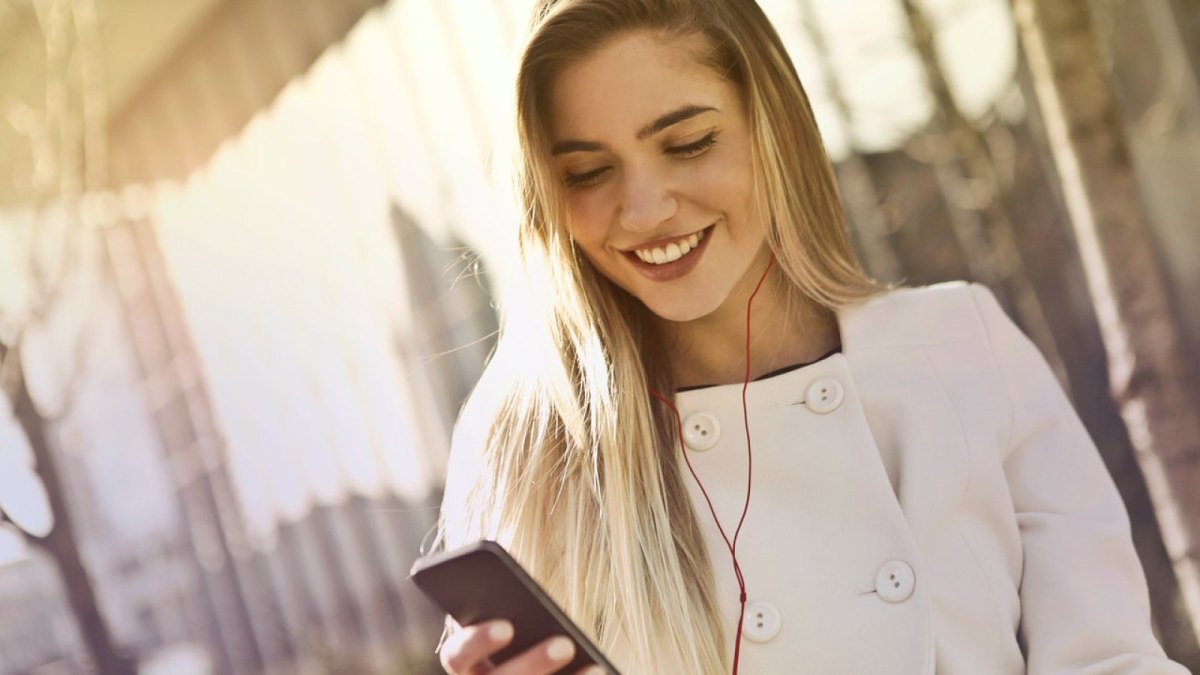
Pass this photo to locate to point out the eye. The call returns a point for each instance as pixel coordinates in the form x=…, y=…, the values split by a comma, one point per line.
x=585, y=179
x=695, y=147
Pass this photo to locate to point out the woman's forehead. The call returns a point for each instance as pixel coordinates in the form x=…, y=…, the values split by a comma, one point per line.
x=630, y=80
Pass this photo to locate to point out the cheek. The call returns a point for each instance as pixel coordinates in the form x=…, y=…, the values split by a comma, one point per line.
x=726, y=182
x=736, y=187
x=587, y=216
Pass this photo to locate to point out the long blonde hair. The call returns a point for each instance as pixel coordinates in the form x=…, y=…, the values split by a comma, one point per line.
x=561, y=453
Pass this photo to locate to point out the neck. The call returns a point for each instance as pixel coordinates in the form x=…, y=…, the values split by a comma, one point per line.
x=712, y=349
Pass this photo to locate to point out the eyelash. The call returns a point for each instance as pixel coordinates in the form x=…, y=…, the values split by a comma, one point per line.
x=688, y=151
x=585, y=179
x=695, y=147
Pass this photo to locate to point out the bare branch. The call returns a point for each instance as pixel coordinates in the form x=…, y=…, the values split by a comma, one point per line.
x=51, y=144
x=10, y=366
x=73, y=65
x=94, y=94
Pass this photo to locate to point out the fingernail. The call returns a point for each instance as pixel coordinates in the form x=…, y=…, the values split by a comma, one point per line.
x=560, y=649
x=500, y=631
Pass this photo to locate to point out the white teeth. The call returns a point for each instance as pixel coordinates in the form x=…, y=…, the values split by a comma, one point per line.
x=671, y=252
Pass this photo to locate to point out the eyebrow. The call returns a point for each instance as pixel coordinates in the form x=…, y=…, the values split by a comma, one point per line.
x=674, y=117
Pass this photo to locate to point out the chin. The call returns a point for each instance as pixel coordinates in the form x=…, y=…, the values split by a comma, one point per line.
x=669, y=309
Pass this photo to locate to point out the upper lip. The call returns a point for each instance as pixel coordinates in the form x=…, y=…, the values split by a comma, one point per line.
x=662, y=241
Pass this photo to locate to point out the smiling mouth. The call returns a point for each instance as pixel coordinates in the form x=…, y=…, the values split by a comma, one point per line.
x=678, y=257
x=662, y=255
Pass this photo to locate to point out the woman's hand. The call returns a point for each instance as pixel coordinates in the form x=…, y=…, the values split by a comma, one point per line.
x=466, y=652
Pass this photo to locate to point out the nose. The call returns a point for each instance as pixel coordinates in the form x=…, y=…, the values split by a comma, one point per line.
x=646, y=202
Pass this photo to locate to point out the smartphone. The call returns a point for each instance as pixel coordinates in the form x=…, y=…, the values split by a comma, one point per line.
x=481, y=581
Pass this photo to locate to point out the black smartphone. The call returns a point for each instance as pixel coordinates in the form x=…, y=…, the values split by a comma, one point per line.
x=481, y=581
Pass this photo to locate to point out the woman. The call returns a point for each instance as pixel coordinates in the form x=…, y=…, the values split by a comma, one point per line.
x=718, y=443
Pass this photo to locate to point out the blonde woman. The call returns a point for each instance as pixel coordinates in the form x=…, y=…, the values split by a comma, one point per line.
x=717, y=443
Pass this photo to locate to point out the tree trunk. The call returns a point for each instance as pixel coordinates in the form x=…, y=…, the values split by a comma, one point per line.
x=1149, y=375
x=60, y=542
x=974, y=191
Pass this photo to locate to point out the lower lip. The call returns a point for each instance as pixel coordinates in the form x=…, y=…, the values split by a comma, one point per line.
x=673, y=269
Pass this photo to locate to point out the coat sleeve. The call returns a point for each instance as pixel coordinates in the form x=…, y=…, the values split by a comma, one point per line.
x=1084, y=602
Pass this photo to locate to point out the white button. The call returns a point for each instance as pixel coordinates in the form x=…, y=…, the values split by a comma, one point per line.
x=701, y=431
x=762, y=622
x=895, y=581
x=824, y=395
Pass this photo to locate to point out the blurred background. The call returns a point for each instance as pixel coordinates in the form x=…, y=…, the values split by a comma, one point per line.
x=252, y=251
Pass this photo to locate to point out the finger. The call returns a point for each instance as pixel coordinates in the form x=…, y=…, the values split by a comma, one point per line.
x=466, y=651
x=543, y=658
x=591, y=670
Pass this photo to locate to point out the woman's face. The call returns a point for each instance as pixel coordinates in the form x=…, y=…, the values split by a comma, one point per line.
x=653, y=148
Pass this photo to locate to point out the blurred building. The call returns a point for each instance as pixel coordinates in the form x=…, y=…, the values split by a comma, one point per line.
x=256, y=452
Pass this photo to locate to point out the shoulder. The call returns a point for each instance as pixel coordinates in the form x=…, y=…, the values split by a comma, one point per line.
x=923, y=316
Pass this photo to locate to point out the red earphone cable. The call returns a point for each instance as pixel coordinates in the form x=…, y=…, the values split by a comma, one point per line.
x=731, y=545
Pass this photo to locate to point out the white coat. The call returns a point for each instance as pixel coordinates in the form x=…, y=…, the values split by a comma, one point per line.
x=924, y=500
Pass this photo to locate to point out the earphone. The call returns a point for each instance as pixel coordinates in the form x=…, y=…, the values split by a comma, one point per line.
x=731, y=545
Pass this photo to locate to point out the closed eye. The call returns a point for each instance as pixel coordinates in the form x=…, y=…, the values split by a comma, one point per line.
x=694, y=148
x=585, y=179
x=686, y=151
